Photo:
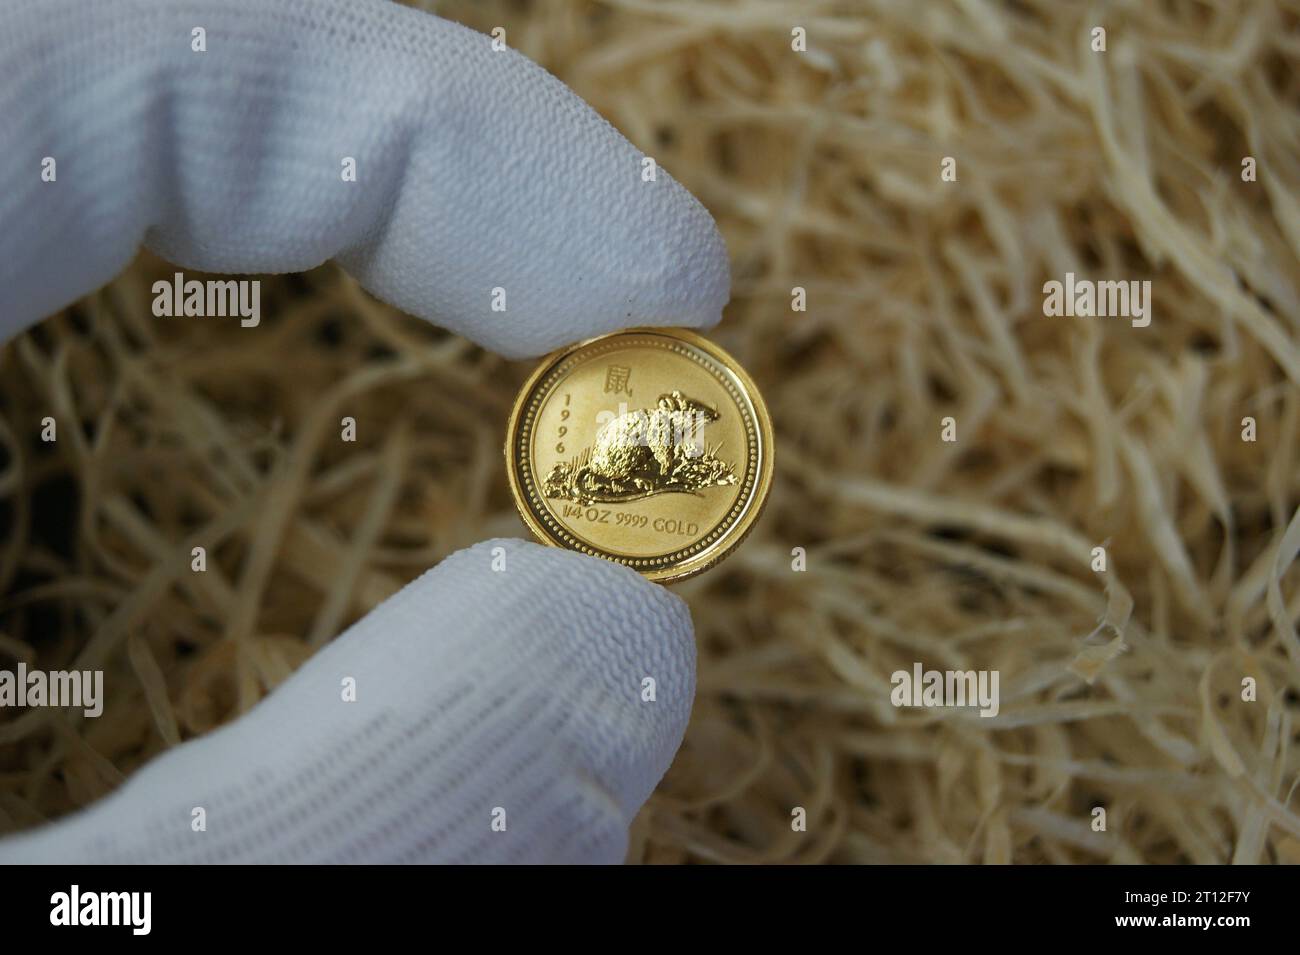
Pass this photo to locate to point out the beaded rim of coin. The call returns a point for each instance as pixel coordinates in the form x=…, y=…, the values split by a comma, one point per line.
x=673, y=566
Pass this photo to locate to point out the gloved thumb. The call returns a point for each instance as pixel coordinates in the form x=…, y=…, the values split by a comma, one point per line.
x=494, y=710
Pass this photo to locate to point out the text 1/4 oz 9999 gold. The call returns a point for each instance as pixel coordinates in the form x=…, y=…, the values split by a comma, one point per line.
x=649, y=447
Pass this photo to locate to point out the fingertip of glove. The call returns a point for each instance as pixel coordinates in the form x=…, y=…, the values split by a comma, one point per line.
x=593, y=587
x=617, y=649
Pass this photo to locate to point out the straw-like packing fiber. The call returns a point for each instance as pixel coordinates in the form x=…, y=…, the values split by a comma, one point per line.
x=1120, y=690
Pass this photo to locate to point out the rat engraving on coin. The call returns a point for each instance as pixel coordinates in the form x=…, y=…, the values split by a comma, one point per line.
x=649, y=447
x=643, y=452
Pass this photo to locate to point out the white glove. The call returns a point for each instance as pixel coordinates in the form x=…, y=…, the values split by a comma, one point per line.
x=478, y=691
x=476, y=169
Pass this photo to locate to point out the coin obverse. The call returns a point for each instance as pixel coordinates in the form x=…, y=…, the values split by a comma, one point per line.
x=649, y=447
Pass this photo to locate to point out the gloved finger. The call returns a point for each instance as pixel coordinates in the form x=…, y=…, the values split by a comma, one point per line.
x=500, y=715
x=482, y=183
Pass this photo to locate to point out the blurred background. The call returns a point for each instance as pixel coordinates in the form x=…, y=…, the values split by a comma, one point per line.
x=1120, y=688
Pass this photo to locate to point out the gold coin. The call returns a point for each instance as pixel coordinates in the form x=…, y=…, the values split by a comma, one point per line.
x=649, y=447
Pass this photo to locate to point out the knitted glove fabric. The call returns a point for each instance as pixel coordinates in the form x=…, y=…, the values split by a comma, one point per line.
x=476, y=169
x=482, y=695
